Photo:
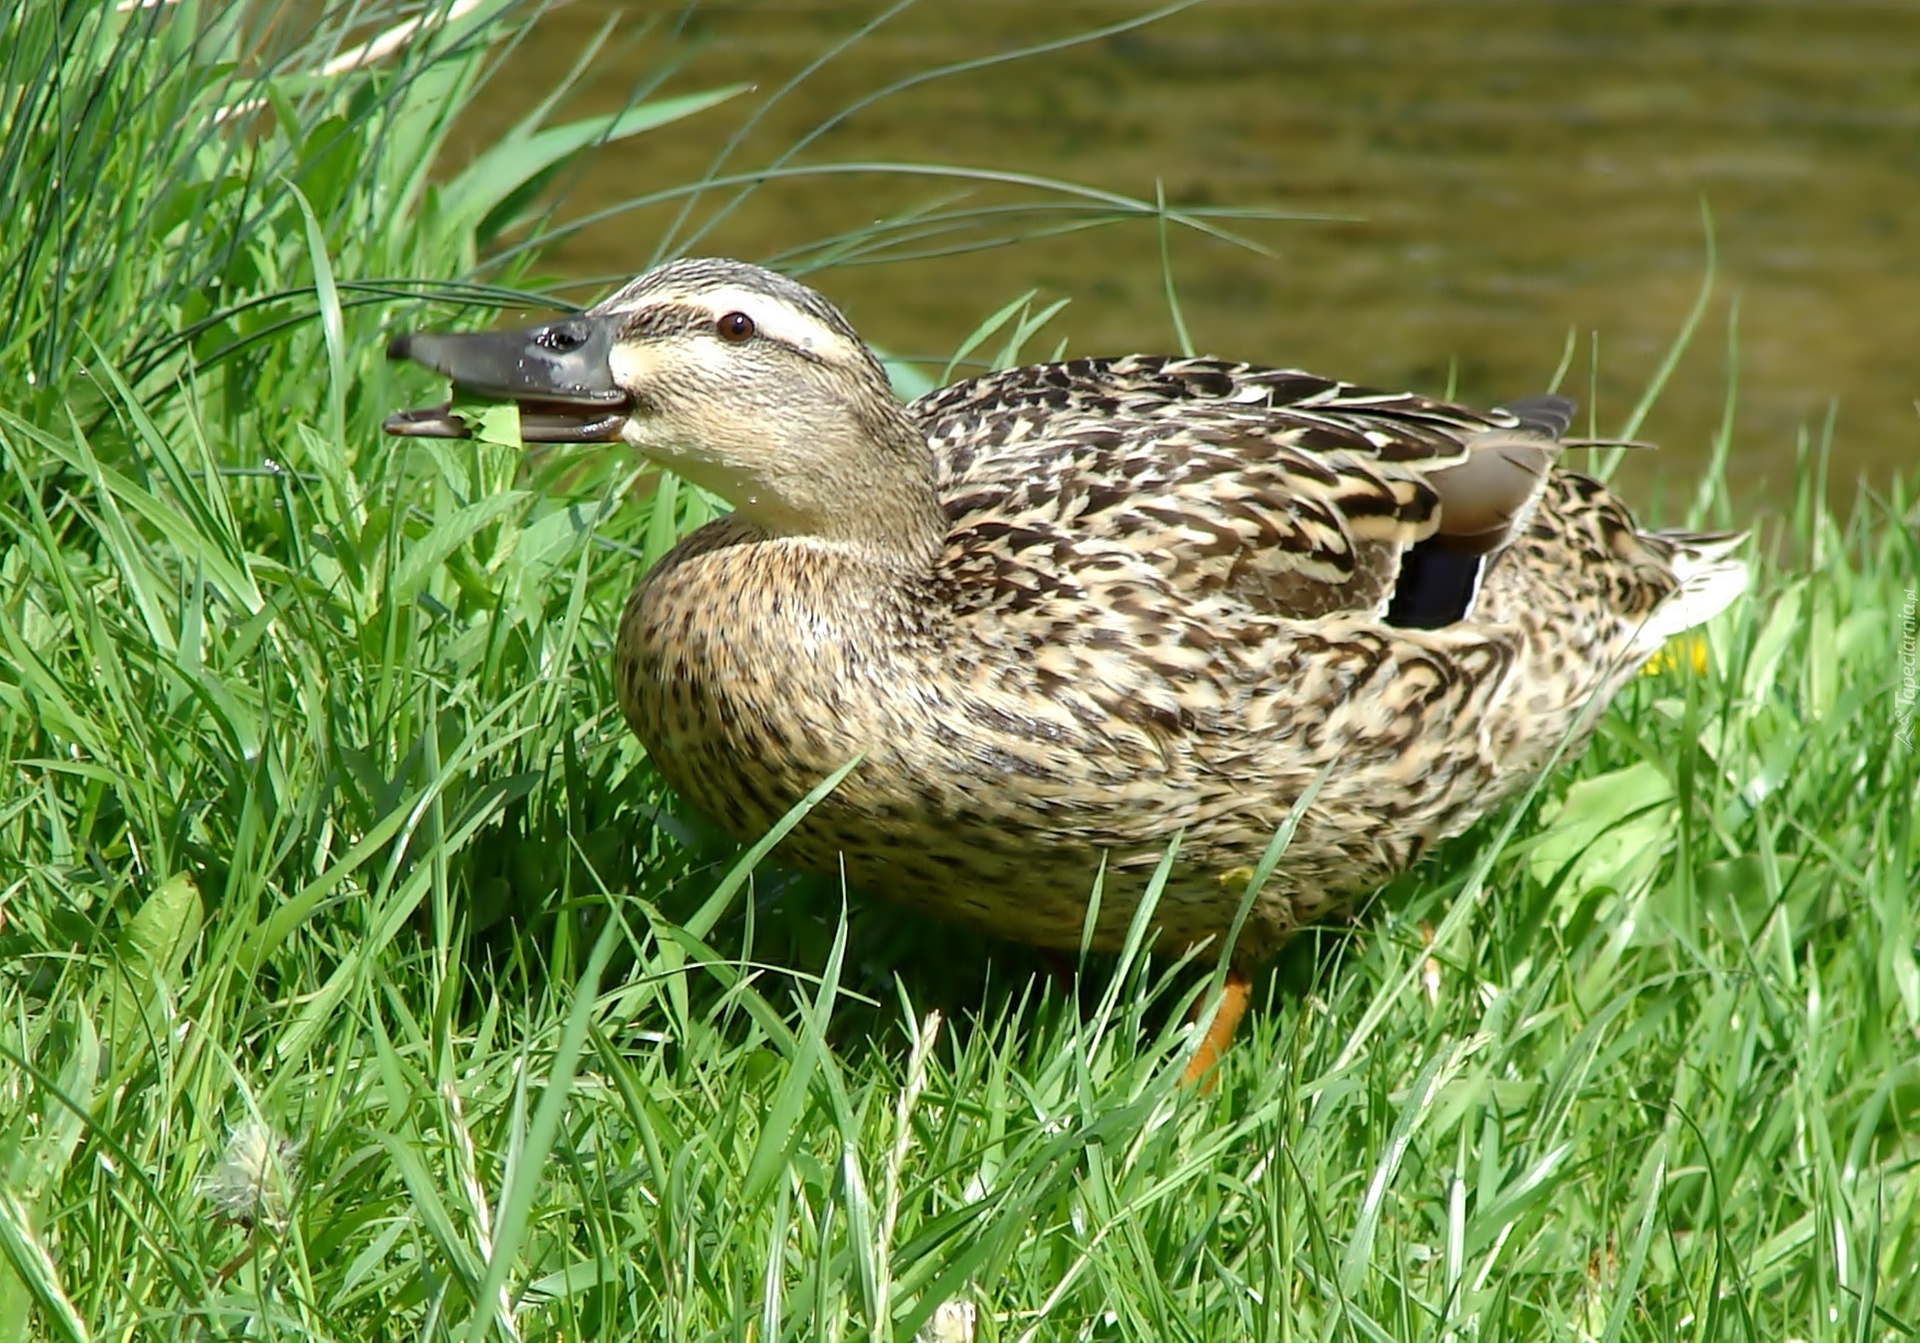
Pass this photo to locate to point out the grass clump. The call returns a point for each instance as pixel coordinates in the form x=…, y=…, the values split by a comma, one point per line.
x=357, y=983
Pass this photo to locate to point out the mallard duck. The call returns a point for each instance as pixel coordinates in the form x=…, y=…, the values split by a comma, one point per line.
x=1066, y=614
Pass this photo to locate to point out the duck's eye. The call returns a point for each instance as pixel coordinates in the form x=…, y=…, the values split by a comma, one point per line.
x=735, y=327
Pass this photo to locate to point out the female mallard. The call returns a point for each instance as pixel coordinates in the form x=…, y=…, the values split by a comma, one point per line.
x=1067, y=613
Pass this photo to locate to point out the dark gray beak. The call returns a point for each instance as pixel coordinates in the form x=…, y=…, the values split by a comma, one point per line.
x=558, y=374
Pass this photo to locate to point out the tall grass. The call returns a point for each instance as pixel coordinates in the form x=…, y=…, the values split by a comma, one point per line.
x=316, y=822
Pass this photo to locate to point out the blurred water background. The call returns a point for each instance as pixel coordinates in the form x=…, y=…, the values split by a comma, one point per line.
x=1507, y=175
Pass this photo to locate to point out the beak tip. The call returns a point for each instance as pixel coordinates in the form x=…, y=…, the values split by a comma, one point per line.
x=400, y=347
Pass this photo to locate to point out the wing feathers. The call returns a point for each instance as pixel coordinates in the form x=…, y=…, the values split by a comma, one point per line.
x=1292, y=494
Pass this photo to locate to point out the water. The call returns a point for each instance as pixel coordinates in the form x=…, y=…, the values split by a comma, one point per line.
x=1517, y=173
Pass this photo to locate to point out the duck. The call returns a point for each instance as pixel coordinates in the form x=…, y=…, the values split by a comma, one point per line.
x=1055, y=623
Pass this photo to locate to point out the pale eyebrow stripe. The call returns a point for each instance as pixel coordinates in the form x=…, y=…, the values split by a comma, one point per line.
x=801, y=332
x=778, y=320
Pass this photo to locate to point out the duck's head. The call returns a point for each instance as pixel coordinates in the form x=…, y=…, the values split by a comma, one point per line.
x=743, y=381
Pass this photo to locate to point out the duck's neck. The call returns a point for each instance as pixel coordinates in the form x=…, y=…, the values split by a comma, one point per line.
x=898, y=514
x=873, y=496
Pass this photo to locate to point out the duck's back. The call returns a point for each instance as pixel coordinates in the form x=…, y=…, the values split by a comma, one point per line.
x=1176, y=595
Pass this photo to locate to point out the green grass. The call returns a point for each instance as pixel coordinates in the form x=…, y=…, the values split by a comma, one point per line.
x=315, y=814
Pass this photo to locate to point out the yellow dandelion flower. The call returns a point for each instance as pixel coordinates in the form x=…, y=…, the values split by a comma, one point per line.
x=1687, y=653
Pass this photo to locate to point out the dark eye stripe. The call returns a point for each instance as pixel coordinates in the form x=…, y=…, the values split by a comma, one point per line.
x=666, y=319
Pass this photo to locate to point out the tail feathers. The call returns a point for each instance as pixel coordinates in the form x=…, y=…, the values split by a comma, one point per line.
x=1711, y=578
x=1546, y=415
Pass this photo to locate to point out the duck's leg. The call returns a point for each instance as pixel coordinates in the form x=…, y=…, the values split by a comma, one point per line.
x=1234, y=996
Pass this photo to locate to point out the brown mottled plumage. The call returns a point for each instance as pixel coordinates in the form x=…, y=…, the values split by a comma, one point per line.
x=1067, y=612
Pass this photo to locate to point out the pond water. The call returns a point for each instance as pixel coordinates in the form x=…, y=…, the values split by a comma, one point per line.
x=1510, y=175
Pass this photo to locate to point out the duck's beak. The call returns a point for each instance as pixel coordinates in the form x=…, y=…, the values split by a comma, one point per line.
x=558, y=374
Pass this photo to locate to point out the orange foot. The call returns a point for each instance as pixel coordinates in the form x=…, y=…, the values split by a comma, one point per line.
x=1234, y=996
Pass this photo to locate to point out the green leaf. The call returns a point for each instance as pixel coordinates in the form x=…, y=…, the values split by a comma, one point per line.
x=152, y=948
x=1609, y=831
x=156, y=939
x=497, y=423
